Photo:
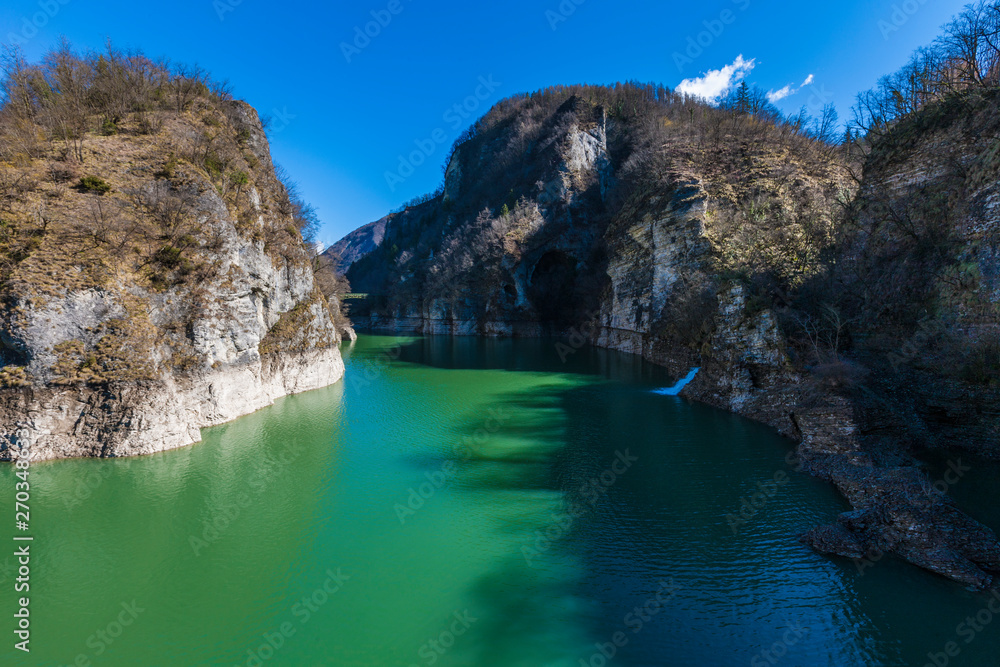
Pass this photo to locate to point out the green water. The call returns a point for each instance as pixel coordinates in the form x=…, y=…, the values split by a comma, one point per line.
x=323, y=545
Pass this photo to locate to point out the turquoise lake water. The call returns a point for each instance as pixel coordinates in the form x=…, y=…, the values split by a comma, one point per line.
x=469, y=502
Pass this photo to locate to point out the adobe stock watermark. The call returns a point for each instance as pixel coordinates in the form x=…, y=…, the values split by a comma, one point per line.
x=818, y=98
x=363, y=35
x=562, y=12
x=754, y=504
x=301, y=610
x=900, y=16
x=224, y=512
x=23, y=541
x=30, y=25
x=592, y=491
x=223, y=7
x=104, y=638
x=927, y=330
x=456, y=116
x=86, y=485
x=635, y=620
x=714, y=28
x=281, y=119
x=967, y=631
x=435, y=648
x=363, y=376
x=443, y=476
x=779, y=649
x=579, y=337
x=99, y=471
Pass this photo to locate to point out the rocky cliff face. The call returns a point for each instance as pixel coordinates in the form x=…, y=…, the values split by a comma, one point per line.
x=700, y=238
x=171, y=293
x=920, y=266
x=651, y=259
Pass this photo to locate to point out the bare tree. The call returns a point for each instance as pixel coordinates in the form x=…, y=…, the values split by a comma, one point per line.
x=17, y=79
x=186, y=83
x=827, y=127
x=965, y=59
x=70, y=79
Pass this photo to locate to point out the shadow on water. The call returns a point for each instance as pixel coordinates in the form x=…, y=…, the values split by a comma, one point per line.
x=747, y=591
x=533, y=612
x=533, y=621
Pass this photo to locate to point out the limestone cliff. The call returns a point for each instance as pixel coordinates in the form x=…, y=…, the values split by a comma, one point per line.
x=711, y=238
x=154, y=280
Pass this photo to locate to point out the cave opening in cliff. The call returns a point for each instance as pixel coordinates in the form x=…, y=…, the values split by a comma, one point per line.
x=552, y=287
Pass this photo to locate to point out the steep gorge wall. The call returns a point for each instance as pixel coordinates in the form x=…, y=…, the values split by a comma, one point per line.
x=106, y=355
x=659, y=261
x=674, y=272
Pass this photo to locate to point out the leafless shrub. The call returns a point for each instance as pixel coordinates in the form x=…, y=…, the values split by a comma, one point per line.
x=15, y=184
x=825, y=333
x=170, y=208
x=63, y=172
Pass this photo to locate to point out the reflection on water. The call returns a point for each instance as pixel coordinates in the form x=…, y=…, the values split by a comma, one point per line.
x=471, y=502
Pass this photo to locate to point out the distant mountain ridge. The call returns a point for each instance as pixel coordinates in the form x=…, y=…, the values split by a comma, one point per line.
x=356, y=245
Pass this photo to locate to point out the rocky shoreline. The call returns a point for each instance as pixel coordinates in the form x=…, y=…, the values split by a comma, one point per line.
x=131, y=419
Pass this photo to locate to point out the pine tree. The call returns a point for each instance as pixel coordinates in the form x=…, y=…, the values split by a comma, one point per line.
x=743, y=98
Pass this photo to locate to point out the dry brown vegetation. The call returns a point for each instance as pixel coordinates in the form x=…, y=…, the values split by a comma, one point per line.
x=104, y=159
x=964, y=60
x=122, y=173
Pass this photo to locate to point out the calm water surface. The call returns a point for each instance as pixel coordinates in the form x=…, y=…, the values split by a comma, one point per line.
x=470, y=502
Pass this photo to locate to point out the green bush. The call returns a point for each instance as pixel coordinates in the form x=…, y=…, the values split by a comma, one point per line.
x=95, y=184
x=169, y=168
x=214, y=165
x=169, y=256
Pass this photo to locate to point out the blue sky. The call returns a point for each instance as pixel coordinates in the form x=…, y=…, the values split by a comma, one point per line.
x=343, y=116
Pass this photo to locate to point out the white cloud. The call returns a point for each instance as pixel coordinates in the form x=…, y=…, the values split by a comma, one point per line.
x=780, y=94
x=716, y=83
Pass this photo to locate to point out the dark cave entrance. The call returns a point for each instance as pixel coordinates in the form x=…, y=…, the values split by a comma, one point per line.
x=552, y=287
